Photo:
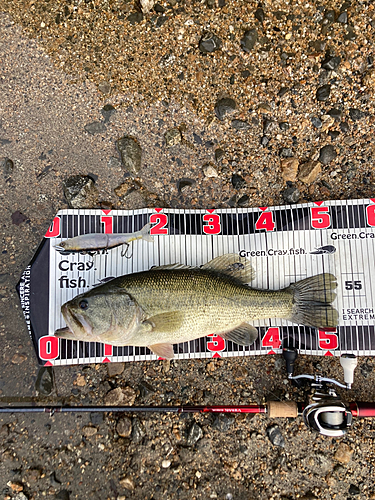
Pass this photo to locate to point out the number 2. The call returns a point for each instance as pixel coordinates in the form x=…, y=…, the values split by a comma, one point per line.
x=161, y=221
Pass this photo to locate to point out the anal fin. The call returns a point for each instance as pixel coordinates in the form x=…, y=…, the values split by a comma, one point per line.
x=163, y=350
x=244, y=334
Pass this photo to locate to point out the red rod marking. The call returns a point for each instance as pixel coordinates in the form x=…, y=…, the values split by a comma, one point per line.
x=362, y=409
x=235, y=409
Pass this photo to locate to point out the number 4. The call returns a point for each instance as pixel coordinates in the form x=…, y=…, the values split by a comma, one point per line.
x=272, y=338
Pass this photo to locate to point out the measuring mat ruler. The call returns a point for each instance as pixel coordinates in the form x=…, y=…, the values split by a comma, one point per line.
x=284, y=244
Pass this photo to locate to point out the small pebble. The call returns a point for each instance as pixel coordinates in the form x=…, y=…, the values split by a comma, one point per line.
x=240, y=125
x=284, y=126
x=238, y=182
x=243, y=201
x=195, y=433
x=331, y=62
x=327, y=154
x=259, y=14
x=291, y=195
x=166, y=463
x=104, y=87
x=249, y=40
x=130, y=154
x=80, y=192
x=286, y=153
x=223, y=422
x=127, y=482
x=317, y=122
x=323, y=92
x=62, y=495
x=356, y=114
x=18, y=218
x=95, y=128
x=14, y=486
x=20, y=496
x=17, y=359
x=219, y=154
x=124, y=427
x=335, y=113
x=344, y=127
x=343, y=453
x=224, y=107
x=289, y=168
x=183, y=185
x=343, y=18
x=89, y=431
x=172, y=137
x=209, y=43
x=138, y=431
x=275, y=436
x=354, y=490
x=309, y=171
x=108, y=111
x=210, y=171
x=330, y=15
x=7, y=165
x=114, y=369
x=135, y=18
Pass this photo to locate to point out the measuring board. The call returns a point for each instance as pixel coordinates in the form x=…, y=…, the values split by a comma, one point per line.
x=284, y=244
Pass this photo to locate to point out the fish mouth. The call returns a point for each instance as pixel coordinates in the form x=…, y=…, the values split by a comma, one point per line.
x=63, y=332
x=75, y=323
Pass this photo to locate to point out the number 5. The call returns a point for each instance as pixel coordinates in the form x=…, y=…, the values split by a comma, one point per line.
x=320, y=218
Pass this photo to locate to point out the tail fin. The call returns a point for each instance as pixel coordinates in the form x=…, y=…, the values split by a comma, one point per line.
x=145, y=233
x=312, y=298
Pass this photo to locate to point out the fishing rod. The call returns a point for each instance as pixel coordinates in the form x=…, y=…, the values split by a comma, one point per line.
x=324, y=411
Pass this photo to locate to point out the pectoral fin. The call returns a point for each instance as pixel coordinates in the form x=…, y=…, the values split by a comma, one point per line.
x=166, y=322
x=244, y=334
x=162, y=350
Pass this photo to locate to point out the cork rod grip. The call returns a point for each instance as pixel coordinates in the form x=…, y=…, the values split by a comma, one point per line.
x=282, y=409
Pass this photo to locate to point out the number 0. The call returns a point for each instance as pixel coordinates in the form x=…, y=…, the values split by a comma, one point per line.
x=48, y=347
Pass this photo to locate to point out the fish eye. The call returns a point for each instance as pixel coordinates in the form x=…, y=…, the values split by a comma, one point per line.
x=83, y=304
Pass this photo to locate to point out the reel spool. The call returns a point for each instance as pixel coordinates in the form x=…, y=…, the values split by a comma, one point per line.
x=328, y=419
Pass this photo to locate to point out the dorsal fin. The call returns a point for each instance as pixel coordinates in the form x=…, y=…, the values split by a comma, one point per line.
x=232, y=265
x=171, y=267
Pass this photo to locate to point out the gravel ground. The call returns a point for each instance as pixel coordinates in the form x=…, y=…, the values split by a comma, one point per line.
x=226, y=104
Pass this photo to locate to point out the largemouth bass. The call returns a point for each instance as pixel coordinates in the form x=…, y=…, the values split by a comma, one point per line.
x=97, y=241
x=173, y=304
